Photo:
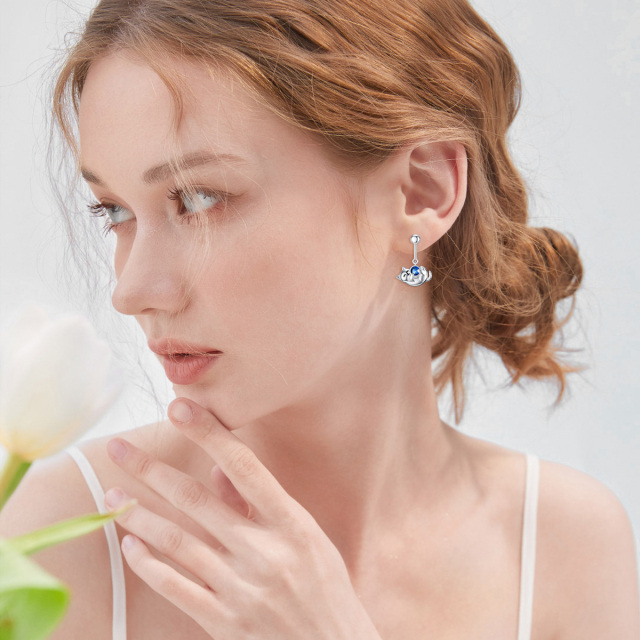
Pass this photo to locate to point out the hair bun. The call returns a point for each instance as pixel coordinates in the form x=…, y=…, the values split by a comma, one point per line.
x=555, y=261
x=511, y=307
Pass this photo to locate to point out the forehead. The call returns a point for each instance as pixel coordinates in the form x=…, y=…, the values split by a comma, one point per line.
x=125, y=115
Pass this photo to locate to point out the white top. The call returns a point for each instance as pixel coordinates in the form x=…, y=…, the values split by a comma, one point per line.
x=527, y=567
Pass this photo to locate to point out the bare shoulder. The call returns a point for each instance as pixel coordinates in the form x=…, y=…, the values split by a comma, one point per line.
x=586, y=574
x=54, y=489
x=586, y=556
x=576, y=508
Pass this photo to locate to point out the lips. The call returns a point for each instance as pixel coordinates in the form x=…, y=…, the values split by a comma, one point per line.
x=172, y=346
x=184, y=362
x=187, y=369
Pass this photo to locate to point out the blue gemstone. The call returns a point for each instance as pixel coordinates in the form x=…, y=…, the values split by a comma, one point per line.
x=415, y=271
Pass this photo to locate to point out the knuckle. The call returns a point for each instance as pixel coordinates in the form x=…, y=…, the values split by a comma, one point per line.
x=297, y=526
x=200, y=428
x=191, y=493
x=143, y=466
x=283, y=557
x=283, y=565
x=169, y=586
x=242, y=622
x=131, y=516
x=278, y=556
x=242, y=462
x=301, y=537
x=170, y=539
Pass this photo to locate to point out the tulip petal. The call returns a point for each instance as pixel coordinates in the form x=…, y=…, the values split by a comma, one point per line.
x=24, y=327
x=55, y=387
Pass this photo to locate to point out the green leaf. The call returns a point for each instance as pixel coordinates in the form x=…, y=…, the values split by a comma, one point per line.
x=64, y=530
x=32, y=602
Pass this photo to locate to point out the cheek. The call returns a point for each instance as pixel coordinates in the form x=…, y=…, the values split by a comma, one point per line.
x=297, y=303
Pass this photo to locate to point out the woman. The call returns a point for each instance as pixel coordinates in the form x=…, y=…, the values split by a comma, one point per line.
x=304, y=188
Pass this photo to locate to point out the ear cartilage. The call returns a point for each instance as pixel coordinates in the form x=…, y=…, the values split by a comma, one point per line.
x=416, y=275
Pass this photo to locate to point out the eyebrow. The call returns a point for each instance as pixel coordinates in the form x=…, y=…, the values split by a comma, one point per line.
x=163, y=171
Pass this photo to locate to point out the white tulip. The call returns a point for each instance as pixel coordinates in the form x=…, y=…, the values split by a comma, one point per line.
x=57, y=379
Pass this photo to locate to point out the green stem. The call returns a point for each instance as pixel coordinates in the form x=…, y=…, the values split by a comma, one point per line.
x=14, y=469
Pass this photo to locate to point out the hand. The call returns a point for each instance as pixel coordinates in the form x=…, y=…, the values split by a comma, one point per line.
x=277, y=574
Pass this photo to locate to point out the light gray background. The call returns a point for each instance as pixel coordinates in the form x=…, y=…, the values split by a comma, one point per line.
x=576, y=141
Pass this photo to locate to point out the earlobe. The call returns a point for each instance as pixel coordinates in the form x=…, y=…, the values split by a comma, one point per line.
x=436, y=183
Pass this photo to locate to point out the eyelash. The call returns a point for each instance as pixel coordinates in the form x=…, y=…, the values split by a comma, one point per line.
x=99, y=209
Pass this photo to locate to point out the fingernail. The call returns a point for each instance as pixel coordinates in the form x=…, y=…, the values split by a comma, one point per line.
x=115, y=497
x=116, y=449
x=128, y=542
x=181, y=412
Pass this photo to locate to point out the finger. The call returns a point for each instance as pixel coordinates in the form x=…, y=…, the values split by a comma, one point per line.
x=186, y=494
x=185, y=549
x=197, y=602
x=253, y=481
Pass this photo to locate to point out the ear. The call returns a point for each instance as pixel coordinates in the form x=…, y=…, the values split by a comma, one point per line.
x=432, y=177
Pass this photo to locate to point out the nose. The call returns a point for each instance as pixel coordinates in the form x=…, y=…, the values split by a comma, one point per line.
x=150, y=276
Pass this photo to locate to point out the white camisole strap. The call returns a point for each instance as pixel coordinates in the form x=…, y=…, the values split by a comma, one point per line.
x=529, y=529
x=115, y=554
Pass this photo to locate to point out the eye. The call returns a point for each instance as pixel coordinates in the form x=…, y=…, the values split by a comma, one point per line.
x=193, y=202
x=196, y=200
x=113, y=211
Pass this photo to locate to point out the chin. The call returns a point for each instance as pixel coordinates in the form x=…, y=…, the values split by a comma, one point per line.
x=201, y=396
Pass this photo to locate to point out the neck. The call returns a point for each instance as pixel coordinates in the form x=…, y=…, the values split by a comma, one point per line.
x=365, y=449
x=359, y=466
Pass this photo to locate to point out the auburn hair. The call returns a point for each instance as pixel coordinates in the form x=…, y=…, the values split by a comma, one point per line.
x=370, y=76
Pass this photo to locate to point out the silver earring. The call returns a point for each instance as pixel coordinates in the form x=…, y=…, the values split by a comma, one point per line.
x=416, y=275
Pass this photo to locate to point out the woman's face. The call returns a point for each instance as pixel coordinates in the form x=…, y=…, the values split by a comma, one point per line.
x=284, y=293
